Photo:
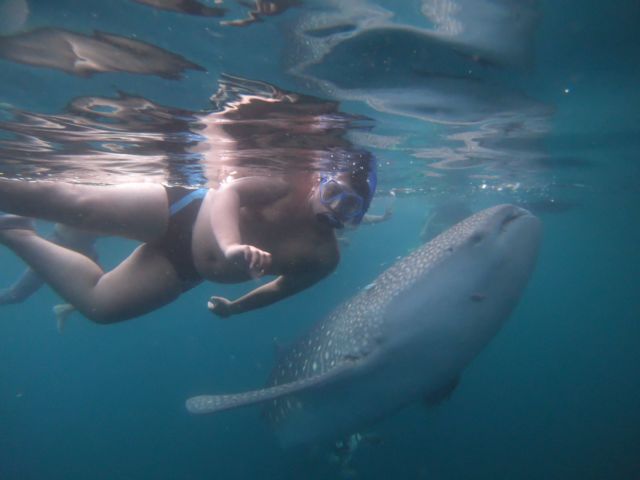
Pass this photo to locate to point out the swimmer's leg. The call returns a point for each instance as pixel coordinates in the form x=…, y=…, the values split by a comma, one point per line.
x=137, y=211
x=81, y=241
x=30, y=282
x=142, y=283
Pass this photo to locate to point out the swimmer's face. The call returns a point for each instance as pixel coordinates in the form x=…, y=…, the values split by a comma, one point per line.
x=321, y=212
x=335, y=202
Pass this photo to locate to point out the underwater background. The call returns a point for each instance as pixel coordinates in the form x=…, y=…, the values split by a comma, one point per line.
x=477, y=102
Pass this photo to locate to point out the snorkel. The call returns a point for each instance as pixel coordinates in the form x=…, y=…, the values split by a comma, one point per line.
x=372, y=183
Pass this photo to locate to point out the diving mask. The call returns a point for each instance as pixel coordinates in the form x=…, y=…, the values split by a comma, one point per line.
x=343, y=203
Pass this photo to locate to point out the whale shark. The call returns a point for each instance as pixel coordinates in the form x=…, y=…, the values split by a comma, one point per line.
x=404, y=338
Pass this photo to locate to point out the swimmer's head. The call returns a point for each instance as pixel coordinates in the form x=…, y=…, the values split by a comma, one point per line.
x=342, y=204
x=346, y=196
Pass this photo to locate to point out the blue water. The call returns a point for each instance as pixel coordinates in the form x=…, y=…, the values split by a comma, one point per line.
x=547, y=119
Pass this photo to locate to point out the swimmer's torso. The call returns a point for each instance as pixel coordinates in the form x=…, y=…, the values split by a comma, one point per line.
x=297, y=242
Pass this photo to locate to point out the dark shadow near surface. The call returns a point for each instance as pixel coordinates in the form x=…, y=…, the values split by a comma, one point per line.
x=84, y=55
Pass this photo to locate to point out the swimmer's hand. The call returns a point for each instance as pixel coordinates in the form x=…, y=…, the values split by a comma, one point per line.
x=257, y=261
x=220, y=306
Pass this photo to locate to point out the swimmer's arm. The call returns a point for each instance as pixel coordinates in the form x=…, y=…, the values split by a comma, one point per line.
x=267, y=294
x=388, y=213
x=370, y=219
x=229, y=199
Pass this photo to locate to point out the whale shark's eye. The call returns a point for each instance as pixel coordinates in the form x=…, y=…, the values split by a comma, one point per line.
x=476, y=238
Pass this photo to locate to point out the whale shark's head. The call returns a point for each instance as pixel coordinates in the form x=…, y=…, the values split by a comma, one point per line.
x=504, y=234
x=465, y=283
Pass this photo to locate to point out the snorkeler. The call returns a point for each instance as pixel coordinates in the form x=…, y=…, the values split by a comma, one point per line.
x=247, y=228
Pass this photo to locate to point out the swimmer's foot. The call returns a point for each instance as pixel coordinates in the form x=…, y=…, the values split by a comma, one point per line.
x=62, y=312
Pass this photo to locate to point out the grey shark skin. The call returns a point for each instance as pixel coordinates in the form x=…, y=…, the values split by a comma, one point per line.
x=405, y=337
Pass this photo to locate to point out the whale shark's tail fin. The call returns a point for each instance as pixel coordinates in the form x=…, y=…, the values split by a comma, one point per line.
x=216, y=403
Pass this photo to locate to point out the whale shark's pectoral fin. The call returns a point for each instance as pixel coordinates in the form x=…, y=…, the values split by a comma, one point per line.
x=216, y=403
x=442, y=394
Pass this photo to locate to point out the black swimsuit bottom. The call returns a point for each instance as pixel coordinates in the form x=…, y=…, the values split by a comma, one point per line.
x=184, y=205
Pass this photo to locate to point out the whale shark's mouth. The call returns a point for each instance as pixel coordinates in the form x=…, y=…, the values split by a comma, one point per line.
x=513, y=215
